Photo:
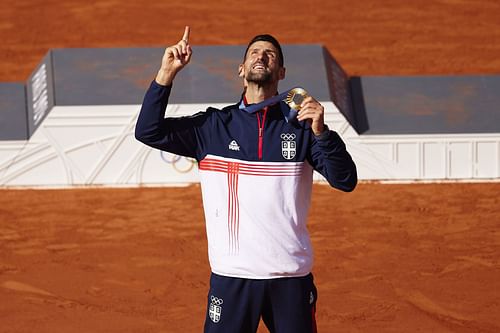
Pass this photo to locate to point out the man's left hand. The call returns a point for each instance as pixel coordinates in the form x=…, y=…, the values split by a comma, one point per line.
x=313, y=112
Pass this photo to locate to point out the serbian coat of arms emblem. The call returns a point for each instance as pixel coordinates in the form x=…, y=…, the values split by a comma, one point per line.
x=288, y=145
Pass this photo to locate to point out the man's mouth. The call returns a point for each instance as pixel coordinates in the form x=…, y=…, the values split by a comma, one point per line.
x=259, y=67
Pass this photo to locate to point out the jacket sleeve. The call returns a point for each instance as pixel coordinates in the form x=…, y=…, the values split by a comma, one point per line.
x=186, y=136
x=328, y=156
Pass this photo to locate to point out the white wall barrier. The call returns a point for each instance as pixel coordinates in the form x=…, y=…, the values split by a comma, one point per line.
x=95, y=146
x=429, y=157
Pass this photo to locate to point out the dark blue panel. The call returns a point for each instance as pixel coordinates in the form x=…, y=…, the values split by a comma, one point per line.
x=339, y=88
x=305, y=67
x=121, y=76
x=103, y=76
x=40, y=93
x=13, y=119
x=431, y=104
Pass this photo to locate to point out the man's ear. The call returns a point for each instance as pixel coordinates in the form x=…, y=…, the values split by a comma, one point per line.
x=241, y=72
x=281, y=74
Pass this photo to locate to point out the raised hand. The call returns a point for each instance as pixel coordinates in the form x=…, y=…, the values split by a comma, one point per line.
x=174, y=59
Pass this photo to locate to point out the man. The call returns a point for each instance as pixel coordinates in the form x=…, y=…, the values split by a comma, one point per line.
x=256, y=171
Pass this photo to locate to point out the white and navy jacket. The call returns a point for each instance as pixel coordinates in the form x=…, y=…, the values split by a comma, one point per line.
x=256, y=175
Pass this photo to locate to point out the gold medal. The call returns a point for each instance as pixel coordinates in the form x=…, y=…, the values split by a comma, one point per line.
x=295, y=97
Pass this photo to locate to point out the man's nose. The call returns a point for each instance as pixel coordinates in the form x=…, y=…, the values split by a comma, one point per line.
x=262, y=55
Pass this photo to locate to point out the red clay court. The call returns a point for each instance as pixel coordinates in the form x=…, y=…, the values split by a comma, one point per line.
x=388, y=258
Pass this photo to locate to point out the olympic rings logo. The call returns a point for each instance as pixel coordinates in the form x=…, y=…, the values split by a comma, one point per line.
x=180, y=164
x=288, y=136
x=216, y=301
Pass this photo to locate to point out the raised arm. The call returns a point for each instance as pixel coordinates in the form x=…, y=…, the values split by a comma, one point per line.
x=185, y=136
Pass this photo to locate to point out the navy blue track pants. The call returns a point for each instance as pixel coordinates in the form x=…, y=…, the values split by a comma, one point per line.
x=286, y=305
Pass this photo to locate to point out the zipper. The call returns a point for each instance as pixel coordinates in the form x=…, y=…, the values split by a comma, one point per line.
x=261, y=123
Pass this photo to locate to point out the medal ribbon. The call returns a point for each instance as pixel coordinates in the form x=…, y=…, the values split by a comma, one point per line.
x=289, y=114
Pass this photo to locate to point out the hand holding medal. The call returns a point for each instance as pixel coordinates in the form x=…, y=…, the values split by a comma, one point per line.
x=308, y=109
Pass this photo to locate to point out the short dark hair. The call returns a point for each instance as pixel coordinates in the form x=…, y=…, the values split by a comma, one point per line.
x=270, y=39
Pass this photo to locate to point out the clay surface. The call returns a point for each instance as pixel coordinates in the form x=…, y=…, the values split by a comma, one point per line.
x=389, y=258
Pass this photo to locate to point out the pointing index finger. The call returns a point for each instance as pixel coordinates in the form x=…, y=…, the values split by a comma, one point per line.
x=186, y=34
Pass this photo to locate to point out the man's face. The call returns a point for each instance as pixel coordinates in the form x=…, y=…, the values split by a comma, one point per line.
x=261, y=64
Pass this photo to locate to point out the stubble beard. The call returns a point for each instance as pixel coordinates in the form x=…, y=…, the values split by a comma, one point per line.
x=259, y=78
